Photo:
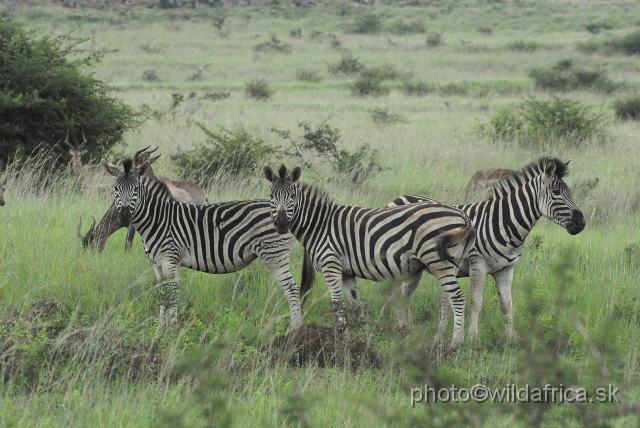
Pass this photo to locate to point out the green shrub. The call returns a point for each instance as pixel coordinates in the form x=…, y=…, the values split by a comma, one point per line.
x=308, y=75
x=367, y=23
x=150, y=76
x=382, y=116
x=522, y=46
x=434, y=39
x=628, y=44
x=417, y=88
x=589, y=47
x=347, y=65
x=596, y=27
x=216, y=96
x=402, y=27
x=627, y=109
x=366, y=85
x=234, y=152
x=564, y=77
x=44, y=93
x=382, y=72
x=273, y=45
x=258, y=89
x=543, y=122
x=321, y=145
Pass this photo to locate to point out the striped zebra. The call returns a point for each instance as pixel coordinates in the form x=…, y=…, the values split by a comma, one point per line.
x=218, y=238
x=502, y=224
x=346, y=242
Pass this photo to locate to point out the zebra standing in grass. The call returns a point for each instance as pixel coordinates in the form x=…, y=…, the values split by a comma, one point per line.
x=502, y=224
x=346, y=242
x=218, y=238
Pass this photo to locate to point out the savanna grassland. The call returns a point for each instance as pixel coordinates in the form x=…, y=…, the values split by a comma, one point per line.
x=78, y=328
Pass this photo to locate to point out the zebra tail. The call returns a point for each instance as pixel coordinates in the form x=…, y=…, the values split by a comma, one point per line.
x=308, y=277
x=454, y=237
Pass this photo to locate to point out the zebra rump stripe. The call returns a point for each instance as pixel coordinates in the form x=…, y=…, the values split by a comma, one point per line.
x=503, y=223
x=346, y=242
x=218, y=238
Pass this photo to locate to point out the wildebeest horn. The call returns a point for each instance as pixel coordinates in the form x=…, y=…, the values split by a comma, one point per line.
x=78, y=230
x=66, y=141
x=155, y=158
x=135, y=157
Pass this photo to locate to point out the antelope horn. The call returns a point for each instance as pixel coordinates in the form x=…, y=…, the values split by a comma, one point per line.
x=66, y=141
x=93, y=225
x=78, y=231
x=135, y=157
x=84, y=139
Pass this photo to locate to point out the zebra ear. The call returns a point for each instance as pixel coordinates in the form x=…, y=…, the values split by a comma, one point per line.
x=295, y=174
x=269, y=173
x=550, y=167
x=110, y=168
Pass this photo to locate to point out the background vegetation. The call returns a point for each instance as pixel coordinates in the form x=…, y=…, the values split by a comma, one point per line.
x=78, y=329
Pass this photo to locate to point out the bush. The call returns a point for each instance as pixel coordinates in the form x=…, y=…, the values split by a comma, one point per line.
x=383, y=72
x=258, y=89
x=367, y=23
x=628, y=44
x=366, y=85
x=402, y=27
x=322, y=144
x=522, y=46
x=627, y=109
x=596, y=27
x=273, y=45
x=216, y=96
x=234, y=152
x=347, y=65
x=382, y=116
x=150, y=76
x=417, y=88
x=434, y=39
x=564, y=77
x=539, y=123
x=308, y=75
x=44, y=94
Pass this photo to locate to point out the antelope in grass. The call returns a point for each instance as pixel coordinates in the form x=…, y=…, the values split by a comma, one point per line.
x=88, y=175
x=483, y=181
x=182, y=191
x=2, y=188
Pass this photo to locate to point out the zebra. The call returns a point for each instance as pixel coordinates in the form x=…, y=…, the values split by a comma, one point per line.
x=218, y=238
x=502, y=223
x=346, y=242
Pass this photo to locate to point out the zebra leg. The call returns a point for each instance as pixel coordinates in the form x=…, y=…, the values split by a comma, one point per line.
x=451, y=289
x=162, y=317
x=503, y=280
x=288, y=285
x=332, y=273
x=403, y=315
x=445, y=314
x=169, y=292
x=477, y=274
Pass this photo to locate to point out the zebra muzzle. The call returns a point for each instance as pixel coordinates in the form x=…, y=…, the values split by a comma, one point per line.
x=282, y=221
x=577, y=223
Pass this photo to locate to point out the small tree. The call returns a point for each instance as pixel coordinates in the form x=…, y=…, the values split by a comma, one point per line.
x=44, y=94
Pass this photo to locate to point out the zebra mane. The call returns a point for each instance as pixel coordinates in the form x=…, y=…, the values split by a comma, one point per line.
x=319, y=194
x=127, y=163
x=529, y=171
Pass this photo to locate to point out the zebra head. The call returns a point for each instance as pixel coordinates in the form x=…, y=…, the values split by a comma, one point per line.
x=2, y=186
x=126, y=187
x=283, y=195
x=555, y=200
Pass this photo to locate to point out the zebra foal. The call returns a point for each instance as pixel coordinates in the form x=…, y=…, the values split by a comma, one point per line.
x=346, y=242
x=503, y=222
x=218, y=238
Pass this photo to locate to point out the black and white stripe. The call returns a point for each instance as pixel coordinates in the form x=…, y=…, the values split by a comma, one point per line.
x=346, y=242
x=218, y=238
x=503, y=223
